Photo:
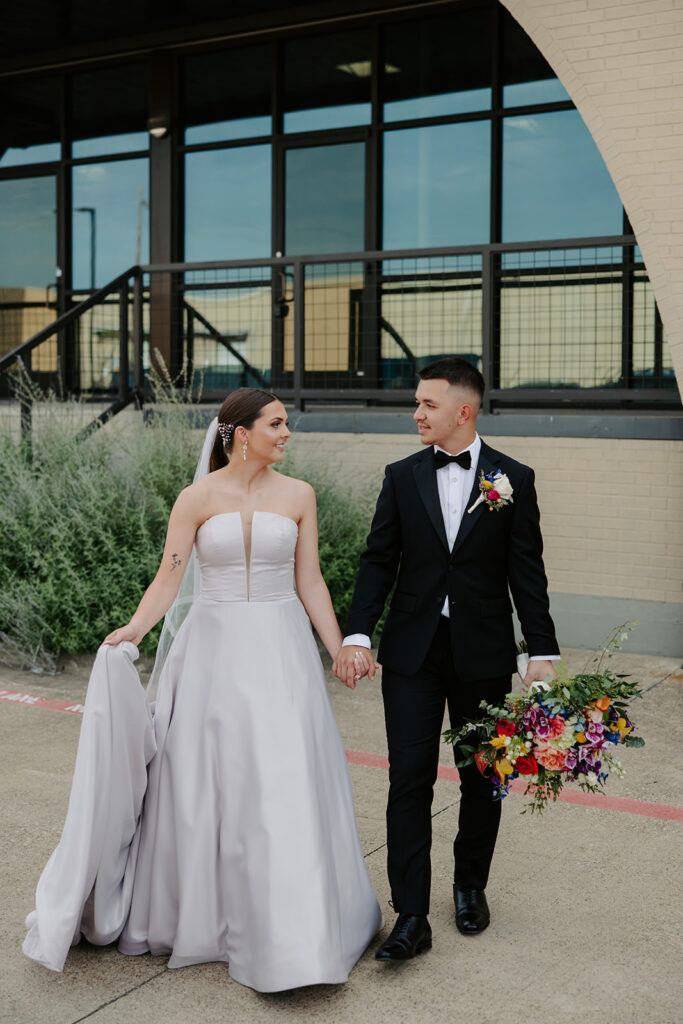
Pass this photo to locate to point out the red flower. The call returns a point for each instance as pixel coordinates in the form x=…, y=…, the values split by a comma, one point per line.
x=492, y=495
x=483, y=763
x=526, y=765
x=505, y=728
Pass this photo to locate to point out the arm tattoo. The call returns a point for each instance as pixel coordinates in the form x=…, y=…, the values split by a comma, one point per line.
x=176, y=561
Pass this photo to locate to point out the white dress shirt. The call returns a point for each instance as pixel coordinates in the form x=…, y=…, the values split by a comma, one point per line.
x=455, y=486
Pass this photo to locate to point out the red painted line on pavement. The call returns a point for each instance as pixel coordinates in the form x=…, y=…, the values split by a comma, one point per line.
x=367, y=760
x=30, y=700
x=625, y=804
x=568, y=796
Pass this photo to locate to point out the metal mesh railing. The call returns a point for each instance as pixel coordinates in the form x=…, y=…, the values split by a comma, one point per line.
x=547, y=324
x=579, y=318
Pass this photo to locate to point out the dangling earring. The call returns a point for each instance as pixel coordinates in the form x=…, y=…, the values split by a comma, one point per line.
x=244, y=450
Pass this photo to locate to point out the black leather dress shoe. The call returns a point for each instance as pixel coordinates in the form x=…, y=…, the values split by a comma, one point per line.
x=410, y=935
x=471, y=910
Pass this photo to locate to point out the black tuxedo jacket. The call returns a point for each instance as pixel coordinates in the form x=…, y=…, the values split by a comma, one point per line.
x=495, y=554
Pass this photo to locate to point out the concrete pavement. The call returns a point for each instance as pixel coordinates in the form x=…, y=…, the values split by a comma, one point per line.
x=585, y=901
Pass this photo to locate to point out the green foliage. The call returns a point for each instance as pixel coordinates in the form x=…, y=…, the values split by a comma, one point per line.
x=83, y=522
x=343, y=524
x=82, y=527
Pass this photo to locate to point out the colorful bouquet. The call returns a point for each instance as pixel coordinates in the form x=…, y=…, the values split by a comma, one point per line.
x=558, y=732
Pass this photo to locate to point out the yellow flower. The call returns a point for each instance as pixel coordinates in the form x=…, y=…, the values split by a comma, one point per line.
x=580, y=737
x=498, y=741
x=487, y=485
x=503, y=768
x=623, y=728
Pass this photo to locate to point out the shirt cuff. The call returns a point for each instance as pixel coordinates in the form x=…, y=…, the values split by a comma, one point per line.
x=357, y=640
x=545, y=657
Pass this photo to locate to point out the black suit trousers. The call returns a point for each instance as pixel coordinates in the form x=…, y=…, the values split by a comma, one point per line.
x=414, y=713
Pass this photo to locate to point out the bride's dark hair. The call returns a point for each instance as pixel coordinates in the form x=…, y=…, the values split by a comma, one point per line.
x=240, y=409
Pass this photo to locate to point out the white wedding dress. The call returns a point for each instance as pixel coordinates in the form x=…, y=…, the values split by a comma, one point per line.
x=244, y=846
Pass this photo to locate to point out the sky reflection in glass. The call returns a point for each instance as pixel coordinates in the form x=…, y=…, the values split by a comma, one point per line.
x=28, y=231
x=227, y=204
x=346, y=115
x=16, y=157
x=545, y=90
x=441, y=105
x=128, y=142
x=226, y=131
x=555, y=183
x=437, y=185
x=118, y=192
x=325, y=199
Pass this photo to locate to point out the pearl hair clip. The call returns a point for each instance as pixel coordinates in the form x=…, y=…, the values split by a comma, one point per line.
x=225, y=430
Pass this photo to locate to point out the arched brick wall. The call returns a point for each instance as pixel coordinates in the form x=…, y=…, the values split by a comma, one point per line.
x=622, y=64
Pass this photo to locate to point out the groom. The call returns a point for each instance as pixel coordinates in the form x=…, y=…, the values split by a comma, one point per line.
x=448, y=638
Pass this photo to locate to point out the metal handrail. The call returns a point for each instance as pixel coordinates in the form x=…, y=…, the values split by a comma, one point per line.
x=486, y=269
x=374, y=255
x=66, y=318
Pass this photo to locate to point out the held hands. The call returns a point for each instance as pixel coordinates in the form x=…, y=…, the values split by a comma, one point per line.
x=352, y=663
x=131, y=632
x=538, y=671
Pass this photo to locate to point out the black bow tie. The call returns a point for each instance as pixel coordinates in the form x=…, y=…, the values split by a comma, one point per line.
x=442, y=459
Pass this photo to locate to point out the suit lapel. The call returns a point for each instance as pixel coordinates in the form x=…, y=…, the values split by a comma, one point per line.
x=470, y=519
x=427, y=488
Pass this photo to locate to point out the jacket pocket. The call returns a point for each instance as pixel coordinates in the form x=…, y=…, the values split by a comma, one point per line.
x=404, y=602
x=494, y=606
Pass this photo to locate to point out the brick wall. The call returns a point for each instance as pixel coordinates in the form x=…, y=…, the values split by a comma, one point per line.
x=622, y=64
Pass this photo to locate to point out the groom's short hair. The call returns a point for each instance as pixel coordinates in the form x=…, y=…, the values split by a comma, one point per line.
x=456, y=371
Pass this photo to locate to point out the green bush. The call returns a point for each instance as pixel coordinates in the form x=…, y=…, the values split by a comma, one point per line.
x=82, y=527
x=83, y=522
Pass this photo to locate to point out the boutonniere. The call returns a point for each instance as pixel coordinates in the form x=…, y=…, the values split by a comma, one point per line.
x=496, y=491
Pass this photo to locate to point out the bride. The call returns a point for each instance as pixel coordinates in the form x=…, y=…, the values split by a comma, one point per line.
x=222, y=828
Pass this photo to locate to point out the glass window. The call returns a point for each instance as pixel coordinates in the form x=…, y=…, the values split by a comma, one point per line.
x=27, y=265
x=327, y=82
x=555, y=183
x=437, y=185
x=527, y=76
x=437, y=66
x=227, y=95
x=29, y=123
x=325, y=199
x=110, y=220
x=109, y=111
x=228, y=203
x=27, y=229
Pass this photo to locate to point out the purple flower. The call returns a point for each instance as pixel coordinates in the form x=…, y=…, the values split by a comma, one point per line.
x=594, y=733
x=588, y=759
x=571, y=759
x=529, y=718
x=542, y=727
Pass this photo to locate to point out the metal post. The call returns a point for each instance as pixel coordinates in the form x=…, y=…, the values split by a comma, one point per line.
x=627, y=317
x=93, y=214
x=299, y=333
x=658, y=362
x=26, y=399
x=123, y=342
x=189, y=342
x=488, y=326
x=138, y=370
